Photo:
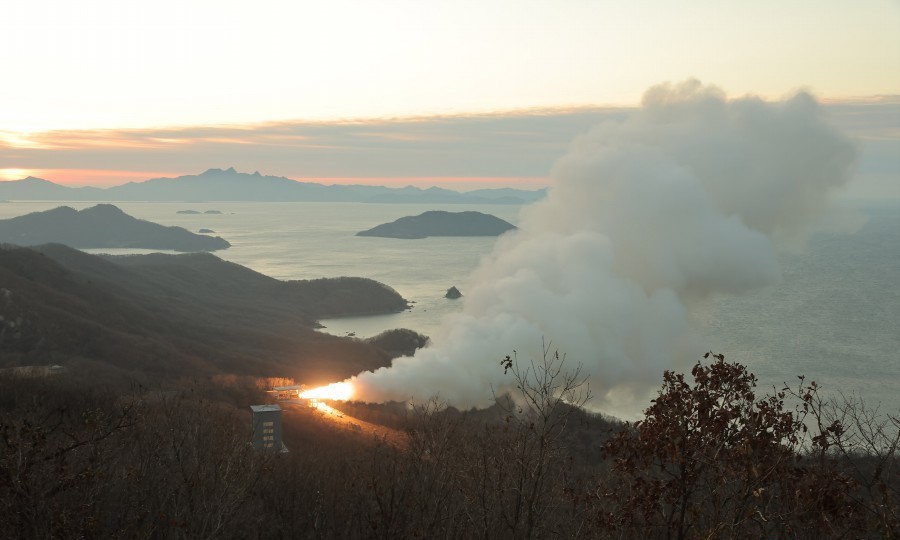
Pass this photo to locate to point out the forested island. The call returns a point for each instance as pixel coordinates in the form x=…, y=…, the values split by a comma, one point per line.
x=101, y=226
x=441, y=223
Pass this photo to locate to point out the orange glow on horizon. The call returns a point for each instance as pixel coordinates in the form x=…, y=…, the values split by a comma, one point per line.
x=340, y=391
x=15, y=174
x=82, y=177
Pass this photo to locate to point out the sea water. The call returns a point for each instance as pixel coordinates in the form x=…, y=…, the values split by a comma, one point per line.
x=834, y=317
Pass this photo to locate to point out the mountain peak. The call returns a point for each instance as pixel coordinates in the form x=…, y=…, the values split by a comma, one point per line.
x=60, y=210
x=104, y=209
x=212, y=171
x=36, y=180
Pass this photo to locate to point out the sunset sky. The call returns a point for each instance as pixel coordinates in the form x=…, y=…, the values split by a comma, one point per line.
x=456, y=93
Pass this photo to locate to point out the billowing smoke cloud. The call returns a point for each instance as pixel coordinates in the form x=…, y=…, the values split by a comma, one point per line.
x=684, y=198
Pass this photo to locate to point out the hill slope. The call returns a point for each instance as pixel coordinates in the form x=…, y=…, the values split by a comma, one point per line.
x=175, y=315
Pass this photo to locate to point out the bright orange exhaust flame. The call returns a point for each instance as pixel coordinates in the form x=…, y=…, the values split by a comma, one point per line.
x=339, y=391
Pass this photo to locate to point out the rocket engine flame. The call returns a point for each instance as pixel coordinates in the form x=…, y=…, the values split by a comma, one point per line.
x=339, y=391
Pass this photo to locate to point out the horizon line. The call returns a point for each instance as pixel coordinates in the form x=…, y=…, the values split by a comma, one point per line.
x=533, y=183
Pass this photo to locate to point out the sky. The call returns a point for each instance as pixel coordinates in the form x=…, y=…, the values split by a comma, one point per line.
x=454, y=93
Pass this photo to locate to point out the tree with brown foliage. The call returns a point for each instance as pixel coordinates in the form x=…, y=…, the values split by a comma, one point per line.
x=710, y=460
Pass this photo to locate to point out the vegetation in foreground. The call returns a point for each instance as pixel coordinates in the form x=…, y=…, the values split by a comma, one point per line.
x=710, y=459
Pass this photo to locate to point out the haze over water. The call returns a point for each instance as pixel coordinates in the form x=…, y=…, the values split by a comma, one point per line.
x=834, y=317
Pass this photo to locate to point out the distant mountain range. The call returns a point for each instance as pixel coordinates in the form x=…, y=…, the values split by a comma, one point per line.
x=230, y=185
x=101, y=226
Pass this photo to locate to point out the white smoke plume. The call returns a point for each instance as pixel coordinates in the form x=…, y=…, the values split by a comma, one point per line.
x=683, y=199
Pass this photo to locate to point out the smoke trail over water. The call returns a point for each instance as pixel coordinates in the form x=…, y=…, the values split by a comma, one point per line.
x=648, y=215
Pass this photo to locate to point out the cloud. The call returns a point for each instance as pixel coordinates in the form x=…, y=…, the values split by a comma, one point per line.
x=522, y=144
x=649, y=214
x=507, y=145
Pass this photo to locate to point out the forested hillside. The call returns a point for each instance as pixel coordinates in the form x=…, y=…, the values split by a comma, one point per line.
x=178, y=315
x=710, y=459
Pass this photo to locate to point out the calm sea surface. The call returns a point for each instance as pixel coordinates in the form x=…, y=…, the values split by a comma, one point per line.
x=835, y=317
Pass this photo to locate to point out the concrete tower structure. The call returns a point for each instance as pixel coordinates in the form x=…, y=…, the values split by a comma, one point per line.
x=266, y=424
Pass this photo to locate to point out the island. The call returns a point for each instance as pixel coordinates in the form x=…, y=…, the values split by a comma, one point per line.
x=197, y=212
x=101, y=226
x=441, y=223
x=453, y=293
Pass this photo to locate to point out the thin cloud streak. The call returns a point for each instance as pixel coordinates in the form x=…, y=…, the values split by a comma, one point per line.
x=502, y=146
